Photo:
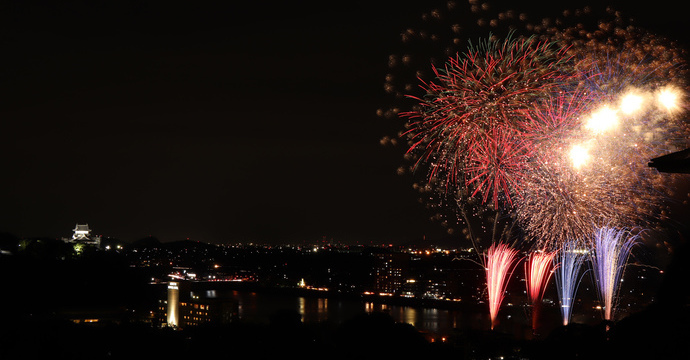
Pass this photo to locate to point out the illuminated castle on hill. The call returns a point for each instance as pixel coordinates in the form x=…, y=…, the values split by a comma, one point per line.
x=82, y=235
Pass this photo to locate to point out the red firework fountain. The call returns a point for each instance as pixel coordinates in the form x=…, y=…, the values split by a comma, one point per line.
x=499, y=264
x=537, y=275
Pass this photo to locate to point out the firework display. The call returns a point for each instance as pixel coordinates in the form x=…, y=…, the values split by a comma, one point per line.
x=551, y=120
x=548, y=125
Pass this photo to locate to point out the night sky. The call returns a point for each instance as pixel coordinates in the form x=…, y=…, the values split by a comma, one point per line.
x=211, y=121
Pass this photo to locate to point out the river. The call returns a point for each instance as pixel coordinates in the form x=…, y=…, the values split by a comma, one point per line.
x=258, y=307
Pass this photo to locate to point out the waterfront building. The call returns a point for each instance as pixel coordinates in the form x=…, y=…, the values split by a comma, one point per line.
x=390, y=271
x=184, y=308
x=173, y=304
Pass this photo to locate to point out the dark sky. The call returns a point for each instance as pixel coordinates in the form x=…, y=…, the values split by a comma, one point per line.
x=212, y=121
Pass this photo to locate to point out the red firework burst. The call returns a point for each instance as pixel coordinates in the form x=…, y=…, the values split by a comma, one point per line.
x=467, y=126
x=495, y=164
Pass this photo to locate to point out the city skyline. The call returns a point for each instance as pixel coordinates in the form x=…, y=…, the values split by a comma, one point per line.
x=217, y=123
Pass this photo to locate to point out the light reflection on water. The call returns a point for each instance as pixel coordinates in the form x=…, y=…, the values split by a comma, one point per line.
x=258, y=308
x=427, y=319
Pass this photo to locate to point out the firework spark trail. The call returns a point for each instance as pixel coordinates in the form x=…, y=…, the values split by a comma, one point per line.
x=609, y=257
x=568, y=263
x=499, y=263
x=537, y=275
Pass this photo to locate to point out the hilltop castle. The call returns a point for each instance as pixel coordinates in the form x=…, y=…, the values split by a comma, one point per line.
x=82, y=235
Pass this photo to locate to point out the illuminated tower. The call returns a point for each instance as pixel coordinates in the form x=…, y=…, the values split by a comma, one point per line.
x=173, y=304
